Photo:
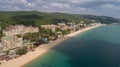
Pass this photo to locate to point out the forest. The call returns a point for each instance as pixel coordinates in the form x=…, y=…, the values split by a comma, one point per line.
x=35, y=18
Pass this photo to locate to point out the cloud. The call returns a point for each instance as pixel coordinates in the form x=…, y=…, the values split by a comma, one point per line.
x=60, y=5
x=107, y=6
x=96, y=7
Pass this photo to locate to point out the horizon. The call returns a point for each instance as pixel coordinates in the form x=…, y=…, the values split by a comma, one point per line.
x=89, y=7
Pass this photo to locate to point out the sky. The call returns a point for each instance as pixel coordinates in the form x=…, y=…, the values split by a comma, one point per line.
x=93, y=7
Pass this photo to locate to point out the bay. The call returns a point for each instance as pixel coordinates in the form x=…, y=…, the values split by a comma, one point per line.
x=99, y=47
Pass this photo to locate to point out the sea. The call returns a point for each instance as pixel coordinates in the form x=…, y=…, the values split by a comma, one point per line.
x=99, y=47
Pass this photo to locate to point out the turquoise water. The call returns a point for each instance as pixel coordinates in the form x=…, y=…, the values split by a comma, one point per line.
x=99, y=47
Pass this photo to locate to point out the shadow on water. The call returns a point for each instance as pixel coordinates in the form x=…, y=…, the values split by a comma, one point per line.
x=94, y=53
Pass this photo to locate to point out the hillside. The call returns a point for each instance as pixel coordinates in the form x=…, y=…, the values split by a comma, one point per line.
x=37, y=18
x=102, y=19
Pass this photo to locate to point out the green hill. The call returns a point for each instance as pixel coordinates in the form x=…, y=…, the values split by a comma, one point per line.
x=37, y=18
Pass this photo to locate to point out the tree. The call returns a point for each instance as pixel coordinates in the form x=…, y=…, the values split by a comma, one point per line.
x=21, y=51
x=64, y=32
x=7, y=52
x=19, y=36
x=31, y=36
x=1, y=34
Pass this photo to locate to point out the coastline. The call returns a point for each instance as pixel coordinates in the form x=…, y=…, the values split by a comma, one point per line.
x=24, y=59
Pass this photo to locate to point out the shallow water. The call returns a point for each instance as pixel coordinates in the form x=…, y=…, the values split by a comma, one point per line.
x=99, y=47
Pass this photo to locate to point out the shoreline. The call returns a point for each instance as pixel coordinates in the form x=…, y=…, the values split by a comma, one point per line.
x=39, y=51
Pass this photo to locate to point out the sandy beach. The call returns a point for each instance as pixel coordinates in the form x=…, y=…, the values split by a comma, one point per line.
x=24, y=59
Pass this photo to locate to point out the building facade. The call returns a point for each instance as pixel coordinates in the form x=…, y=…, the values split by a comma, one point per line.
x=19, y=29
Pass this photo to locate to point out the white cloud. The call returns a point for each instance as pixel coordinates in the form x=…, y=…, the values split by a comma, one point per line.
x=60, y=5
x=79, y=1
x=99, y=7
x=107, y=6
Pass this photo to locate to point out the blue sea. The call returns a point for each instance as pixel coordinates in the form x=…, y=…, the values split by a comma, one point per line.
x=99, y=47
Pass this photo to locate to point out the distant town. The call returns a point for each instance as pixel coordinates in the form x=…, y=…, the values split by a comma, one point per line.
x=17, y=40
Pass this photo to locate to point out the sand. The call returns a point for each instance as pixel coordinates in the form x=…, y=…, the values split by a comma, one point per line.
x=24, y=59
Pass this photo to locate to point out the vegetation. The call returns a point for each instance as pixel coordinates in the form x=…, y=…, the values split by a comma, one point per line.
x=31, y=36
x=21, y=51
x=102, y=19
x=37, y=18
x=7, y=52
x=44, y=33
x=19, y=36
x=1, y=34
x=64, y=32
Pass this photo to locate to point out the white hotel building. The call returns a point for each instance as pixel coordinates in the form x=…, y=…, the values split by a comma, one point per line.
x=10, y=40
x=19, y=29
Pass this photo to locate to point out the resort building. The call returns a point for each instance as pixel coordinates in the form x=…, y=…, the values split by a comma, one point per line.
x=52, y=26
x=19, y=29
x=12, y=53
x=65, y=27
x=93, y=24
x=61, y=24
x=9, y=42
x=53, y=30
x=72, y=25
x=1, y=46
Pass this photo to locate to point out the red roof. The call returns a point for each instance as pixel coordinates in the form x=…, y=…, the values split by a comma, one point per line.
x=4, y=57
